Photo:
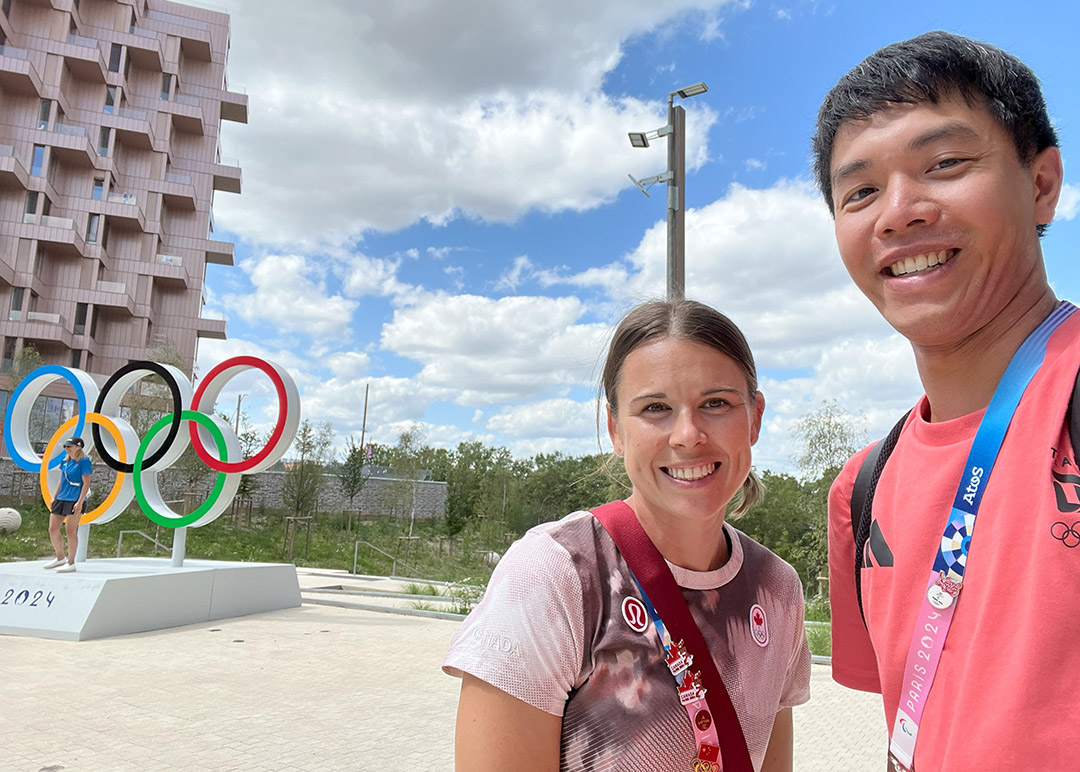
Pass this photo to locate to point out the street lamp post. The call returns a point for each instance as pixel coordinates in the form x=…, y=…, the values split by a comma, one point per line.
x=675, y=177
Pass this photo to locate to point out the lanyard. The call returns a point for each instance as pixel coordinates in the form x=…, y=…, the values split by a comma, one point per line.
x=691, y=693
x=947, y=575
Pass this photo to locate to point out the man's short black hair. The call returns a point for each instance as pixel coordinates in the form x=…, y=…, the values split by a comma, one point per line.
x=929, y=68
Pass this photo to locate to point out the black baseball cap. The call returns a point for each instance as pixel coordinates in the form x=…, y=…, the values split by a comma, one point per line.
x=73, y=441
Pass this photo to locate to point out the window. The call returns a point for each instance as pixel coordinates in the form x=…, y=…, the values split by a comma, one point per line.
x=15, y=311
x=9, y=357
x=37, y=166
x=44, y=110
x=166, y=86
x=99, y=189
x=7, y=8
x=39, y=258
x=104, y=137
x=115, y=53
x=93, y=325
x=79, y=327
x=105, y=234
x=110, y=100
x=46, y=208
x=92, y=223
x=76, y=357
x=31, y=206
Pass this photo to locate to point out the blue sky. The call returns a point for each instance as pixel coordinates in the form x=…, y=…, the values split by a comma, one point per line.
x=436, y=202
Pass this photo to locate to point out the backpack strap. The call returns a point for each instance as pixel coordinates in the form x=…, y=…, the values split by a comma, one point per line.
x=1072, y=415
x=862, y=498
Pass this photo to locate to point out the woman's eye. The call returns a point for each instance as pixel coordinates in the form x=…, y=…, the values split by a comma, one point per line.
x=655, y=407
x=716, y=402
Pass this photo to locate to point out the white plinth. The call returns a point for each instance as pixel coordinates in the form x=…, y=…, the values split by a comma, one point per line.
x=132, y=595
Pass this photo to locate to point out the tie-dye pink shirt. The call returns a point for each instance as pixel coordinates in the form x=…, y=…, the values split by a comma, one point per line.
x=550, y=631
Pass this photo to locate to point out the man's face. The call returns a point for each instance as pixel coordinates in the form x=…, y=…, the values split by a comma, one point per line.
x=936, y=216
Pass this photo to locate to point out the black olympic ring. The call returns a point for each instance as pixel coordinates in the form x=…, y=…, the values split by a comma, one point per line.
x=1066, y=534
x=174, y=426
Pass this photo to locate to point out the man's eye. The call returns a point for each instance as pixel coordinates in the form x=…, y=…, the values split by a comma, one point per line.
x=859, y=195
x=948, y=163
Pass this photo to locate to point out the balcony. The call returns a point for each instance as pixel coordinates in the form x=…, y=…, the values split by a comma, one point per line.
x=71, y=144
x=12, y=171
x=210, y=328
x=39, y=326
x=234, y=106
x=227, y=175
x=220, y=252
x=83, y=57
x=123, y=210
x=133, y=128
x=18, y=75
x=113, y=294
x=187, y=113
x=169, y=270
x=143, y=48
x=59, y=233
x=194, y=34
x=176, y=190
x=8, y=248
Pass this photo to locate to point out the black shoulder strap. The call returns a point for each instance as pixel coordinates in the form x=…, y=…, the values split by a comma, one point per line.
x=1072, y=415
x=862, y=498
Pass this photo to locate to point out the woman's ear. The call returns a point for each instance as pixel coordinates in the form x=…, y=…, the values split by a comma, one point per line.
x=613, y=431
x=755, y=419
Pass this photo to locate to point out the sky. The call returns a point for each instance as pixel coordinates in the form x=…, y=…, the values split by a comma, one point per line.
x=436, y=204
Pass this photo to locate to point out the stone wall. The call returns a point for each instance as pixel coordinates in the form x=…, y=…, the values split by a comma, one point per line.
x=381, y=496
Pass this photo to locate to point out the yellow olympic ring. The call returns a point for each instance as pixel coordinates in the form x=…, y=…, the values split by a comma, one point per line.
x=122, y=486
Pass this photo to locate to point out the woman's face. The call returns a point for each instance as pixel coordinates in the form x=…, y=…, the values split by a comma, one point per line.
x=70, y=450
x=684, y=427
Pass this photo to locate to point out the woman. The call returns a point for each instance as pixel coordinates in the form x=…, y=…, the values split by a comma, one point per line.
x=558, y=671
x=67, y=505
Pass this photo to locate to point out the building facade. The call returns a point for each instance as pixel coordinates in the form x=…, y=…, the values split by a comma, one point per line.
x=110, y=115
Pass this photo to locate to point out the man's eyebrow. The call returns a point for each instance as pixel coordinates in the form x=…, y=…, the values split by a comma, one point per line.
x=947, y=131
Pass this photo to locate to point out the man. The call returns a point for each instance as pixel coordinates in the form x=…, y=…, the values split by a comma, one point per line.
x=938, y=160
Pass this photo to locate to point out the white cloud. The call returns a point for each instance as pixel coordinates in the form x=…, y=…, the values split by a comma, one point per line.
x=488, y=350
x=552, y=418
x=432, y=110
x=287, y=299
x=513, y=277
x=1069, y=203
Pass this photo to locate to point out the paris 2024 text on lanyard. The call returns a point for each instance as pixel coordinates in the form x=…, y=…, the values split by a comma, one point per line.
x=947, y=575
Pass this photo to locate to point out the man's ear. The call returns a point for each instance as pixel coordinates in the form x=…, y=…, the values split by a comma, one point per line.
x=613, y=431
x=1047, y=176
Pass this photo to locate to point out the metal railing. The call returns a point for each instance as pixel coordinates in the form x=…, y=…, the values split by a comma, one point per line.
x=183, y=179
x=172, y=18
x=127, y=112
x=393, y=569
x=13, y=52
x=171, y=260
x=57, y=222
x=71, y=131
x=79, y=40
x=184, y=99
x=151, y=539
x=122, y=198
x=41, y=316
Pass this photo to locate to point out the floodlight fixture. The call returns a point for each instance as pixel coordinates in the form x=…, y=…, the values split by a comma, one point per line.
x=689, y=91
x=638, y=139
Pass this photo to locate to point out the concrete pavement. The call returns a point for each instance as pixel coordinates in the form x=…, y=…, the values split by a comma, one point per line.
x=311, y=688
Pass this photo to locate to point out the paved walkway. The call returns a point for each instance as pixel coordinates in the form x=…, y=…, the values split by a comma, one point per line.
x=312, y=688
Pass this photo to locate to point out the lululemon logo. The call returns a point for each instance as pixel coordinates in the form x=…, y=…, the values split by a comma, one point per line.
x=634, y=614
x=759, y=625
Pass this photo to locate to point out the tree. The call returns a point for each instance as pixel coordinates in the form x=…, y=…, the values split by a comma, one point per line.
x=828, y=437
x=351, y=476
x=25, y=361
x=303, y=475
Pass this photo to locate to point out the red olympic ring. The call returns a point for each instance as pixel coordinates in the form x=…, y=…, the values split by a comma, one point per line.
x=209, y=388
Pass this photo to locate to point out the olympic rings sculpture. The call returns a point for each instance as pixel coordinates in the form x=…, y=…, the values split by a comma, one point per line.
x=138, y=462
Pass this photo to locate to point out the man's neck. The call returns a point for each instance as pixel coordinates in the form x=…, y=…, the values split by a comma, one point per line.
x=961, y=378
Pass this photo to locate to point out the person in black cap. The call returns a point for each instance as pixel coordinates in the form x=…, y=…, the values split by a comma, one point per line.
x=67, y=505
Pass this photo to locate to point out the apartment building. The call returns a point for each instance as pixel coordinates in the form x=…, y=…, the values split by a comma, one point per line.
x=110, y=158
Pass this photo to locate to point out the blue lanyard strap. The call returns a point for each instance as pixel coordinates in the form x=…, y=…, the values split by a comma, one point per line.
x=956, y=540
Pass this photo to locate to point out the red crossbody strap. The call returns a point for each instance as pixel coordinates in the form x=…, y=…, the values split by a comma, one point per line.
x=655, y=577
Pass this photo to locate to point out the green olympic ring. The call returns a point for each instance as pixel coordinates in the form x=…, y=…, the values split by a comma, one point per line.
x=225, y=484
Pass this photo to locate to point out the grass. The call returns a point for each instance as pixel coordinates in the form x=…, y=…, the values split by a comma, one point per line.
x=819, y=638
x=264, y=541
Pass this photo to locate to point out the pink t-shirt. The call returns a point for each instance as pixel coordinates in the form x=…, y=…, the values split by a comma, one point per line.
x=550, y=631
x=1007, y=691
